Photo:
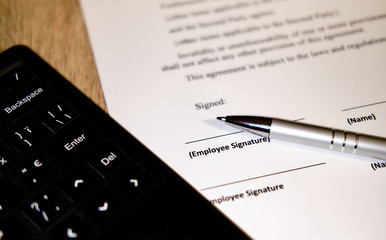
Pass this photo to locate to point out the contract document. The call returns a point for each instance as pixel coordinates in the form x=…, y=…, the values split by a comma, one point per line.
x=169, y=68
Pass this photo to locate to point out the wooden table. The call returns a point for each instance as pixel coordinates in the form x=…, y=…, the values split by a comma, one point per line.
x=55, y=30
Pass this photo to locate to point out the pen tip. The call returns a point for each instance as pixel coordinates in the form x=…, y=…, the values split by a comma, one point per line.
x=222, y=118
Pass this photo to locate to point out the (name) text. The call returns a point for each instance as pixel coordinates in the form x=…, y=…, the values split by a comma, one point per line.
x=354, y=120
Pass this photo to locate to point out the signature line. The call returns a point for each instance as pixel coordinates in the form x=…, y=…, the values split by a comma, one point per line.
x=203, y=139
x=263, y=176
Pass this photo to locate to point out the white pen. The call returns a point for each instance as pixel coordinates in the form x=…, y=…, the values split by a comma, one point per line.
x=310, y=135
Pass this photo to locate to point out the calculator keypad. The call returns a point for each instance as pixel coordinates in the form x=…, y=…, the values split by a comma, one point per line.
x=62, y=159
x=68, y=171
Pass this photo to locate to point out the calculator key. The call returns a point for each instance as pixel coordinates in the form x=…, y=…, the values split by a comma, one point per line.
x=10, y=196
x=23, y=101
x=6, y=160
x=76, y=184
x=44, y=210
x=105, y=158
x=11, y=229
x=131, y=181
x=17, y=78
x=56, y=115
x=71, y=228
x=35, y=172
x=102, y=207
x=27, y=134
x=73, y=139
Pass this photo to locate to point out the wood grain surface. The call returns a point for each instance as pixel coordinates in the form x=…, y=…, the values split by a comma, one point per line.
x=55, y=30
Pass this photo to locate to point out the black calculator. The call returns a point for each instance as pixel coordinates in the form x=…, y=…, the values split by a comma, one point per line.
x=68, y=171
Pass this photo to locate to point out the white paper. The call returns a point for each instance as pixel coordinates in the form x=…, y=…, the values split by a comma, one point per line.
x=321, y=62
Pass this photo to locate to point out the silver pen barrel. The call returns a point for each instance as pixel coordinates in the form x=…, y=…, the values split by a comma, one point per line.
x=337, y=140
